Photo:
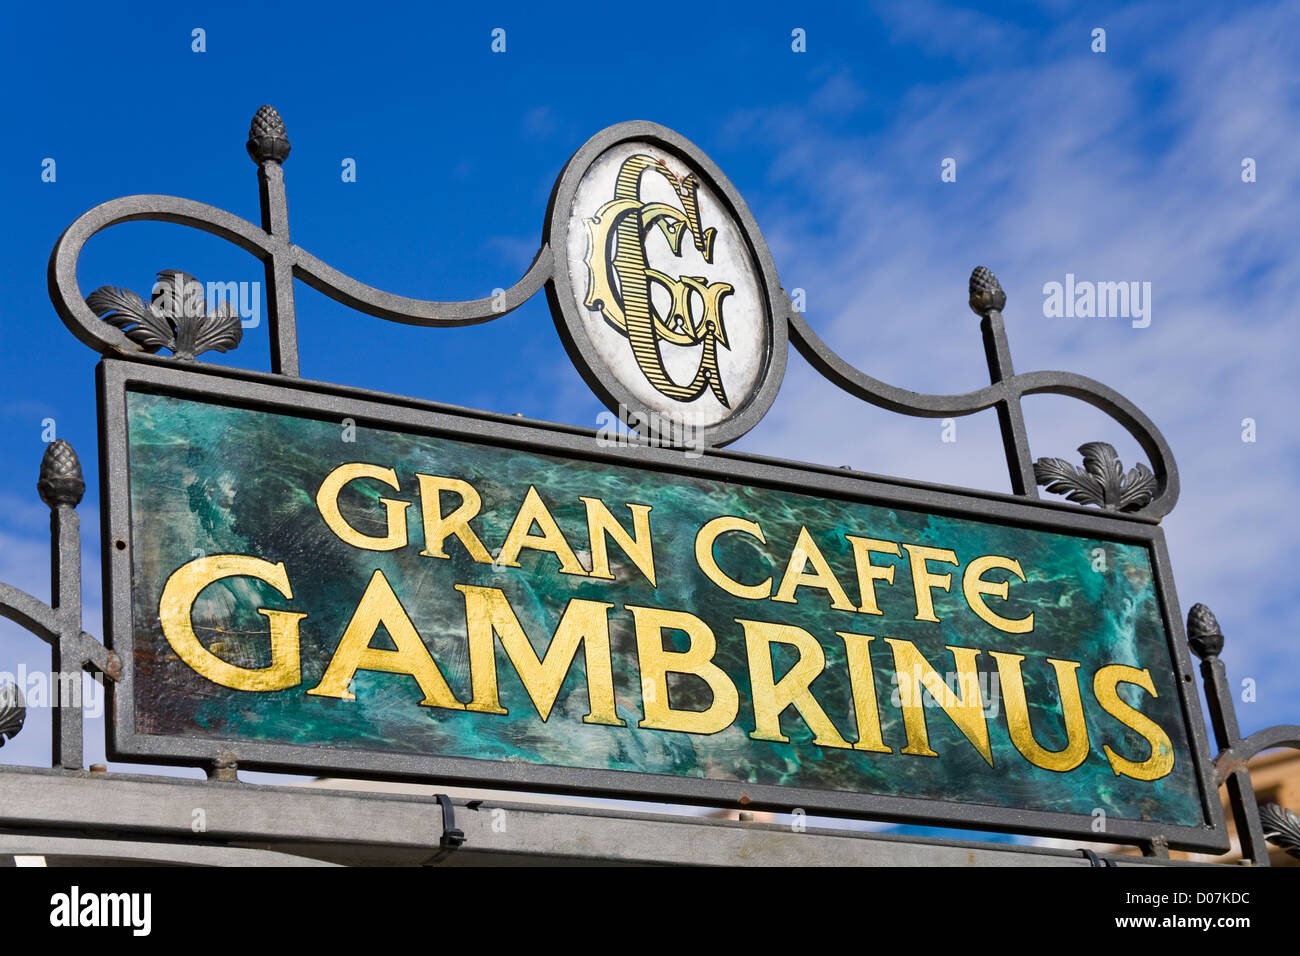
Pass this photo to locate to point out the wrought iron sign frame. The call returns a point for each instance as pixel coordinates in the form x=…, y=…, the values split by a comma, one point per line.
x=284, y=261
x=371, y=409
x=127, y=331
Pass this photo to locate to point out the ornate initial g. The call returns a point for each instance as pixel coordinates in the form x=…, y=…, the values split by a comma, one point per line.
x=617, y=238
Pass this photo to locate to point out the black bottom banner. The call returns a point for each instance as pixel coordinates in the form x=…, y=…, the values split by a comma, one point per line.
x=265, y=906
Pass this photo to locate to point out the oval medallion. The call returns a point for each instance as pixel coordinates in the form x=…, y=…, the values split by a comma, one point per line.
x=663, y=288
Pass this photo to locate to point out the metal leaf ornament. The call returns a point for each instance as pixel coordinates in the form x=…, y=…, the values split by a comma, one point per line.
x=1101, y=481
x=178, y=295
x=176, y=319
x=126, y=310
x=1281, y=827
x=13, y=712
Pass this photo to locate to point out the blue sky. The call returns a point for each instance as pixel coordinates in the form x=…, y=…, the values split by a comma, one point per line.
x=1116, y=166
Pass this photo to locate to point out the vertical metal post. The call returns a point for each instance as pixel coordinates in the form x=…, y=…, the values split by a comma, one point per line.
x=268, y=145
x=987, y=301
x=61, y=487
x=1206, y=640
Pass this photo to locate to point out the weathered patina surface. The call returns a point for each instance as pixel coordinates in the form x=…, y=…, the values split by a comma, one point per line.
x=210, y=479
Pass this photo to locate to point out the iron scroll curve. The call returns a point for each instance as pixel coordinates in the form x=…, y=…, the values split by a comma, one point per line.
x=65, y=292
x=1001, y=394
x=285, y=262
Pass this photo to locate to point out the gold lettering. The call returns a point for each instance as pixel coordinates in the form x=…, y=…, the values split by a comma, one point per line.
x=967, y=711
x=862, y=680
x=174, y=609
x=439, y=527
x=379, y=605
x=806, y=550
x=1161, y=761
x=601, y=524
x=487, y=612
x=328, y=504
x=656, y=663
x=704, y=556
x=924, y=580
x=974, y=587
x=534, y=511
x=771, y=696
x=868, y=573
x=1012, y=682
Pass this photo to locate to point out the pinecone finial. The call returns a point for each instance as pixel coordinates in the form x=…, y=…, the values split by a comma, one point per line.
x=267, y=137
x=60, y=482
x=986, y=293
x=1203, y=632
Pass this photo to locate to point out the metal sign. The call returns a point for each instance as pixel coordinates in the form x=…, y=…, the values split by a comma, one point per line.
x=308, y=577
x=324, y=579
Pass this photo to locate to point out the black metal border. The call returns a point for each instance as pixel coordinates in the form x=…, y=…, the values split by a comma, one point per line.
x=571, y=325
x=272, y=392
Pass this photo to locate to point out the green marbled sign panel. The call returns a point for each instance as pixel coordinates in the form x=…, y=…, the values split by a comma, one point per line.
x=208, y=479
